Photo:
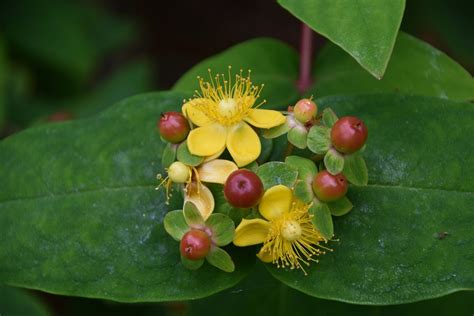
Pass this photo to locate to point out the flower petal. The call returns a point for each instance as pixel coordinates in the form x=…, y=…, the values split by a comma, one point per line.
x=207, y=140
x=251, y=232
x=243, y=144
x=201, y=197
x=216, y=171
x=265, y=256
x=216, y=155
x=275, y=202
x=191, y=110
x=265, y=118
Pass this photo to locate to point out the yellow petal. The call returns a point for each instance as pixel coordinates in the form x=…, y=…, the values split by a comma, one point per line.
x=265, y=118
x=191, y=110
x=265, y=256
x=217, y=155
x=202, y=197
x=207, y=140
x=275, y=202
x=251, y=232
x=216, y=171
x=243, y=144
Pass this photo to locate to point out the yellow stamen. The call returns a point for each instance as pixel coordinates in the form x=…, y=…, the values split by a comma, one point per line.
x=229, y=102
x=293, y=241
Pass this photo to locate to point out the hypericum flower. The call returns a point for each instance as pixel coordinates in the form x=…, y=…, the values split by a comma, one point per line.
x=214, y=171
x=287, y=232
x=221, y=111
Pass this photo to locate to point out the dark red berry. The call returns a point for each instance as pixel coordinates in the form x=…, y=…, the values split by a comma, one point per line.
x=349, y=134
x=305, y=110
x=328, y=187
x=60, y=116
x=195, y=245
x=243, y=189
x=173, y=127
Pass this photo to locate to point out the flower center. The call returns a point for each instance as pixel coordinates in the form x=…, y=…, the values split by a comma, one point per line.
x=227, y=108
x=291, y=230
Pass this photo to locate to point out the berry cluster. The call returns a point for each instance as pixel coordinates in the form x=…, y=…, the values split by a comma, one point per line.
x=285, y=206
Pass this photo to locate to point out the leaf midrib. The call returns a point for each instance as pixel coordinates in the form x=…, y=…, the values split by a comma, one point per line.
x=150, y=186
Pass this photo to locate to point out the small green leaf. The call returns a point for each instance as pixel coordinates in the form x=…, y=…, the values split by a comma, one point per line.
x=334, y=161
x=251, y=166
x=191, y=264
x=222, y=206
x=222, y=228
x=220, y=259
x=306, y=167
x=192, y=215
x=319, y=139
x=329, y=117
x=340, y=207
x=355, y=169
x=266, y=150
x=304, y=191
x=322, y=219
x=276, y=131
x=175, y=224
x=275, y=172
x=168, y=155
x=186, y=157
x=298, y=136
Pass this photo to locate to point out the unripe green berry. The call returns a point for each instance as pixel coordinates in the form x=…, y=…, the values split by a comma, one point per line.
x=349, y=134
x=328, y=187
x=305, y=110
x=178, y=172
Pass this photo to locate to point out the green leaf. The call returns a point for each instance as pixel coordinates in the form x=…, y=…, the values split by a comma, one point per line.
x=272, y=62
x=275, y=172
x=16, y=302
x=319, y=139
x=340, y=207
x=297, y=136
x=415, y=68
x=3, y=80
x=169, y=155
x=304, y=191
x=355, y=169
x=219, y=258
x=322, y=219
x=192, y=216
x=276, y=131
x=306, y=167
x=329, y=117
x=334, y=161
x=366, y=29
x=266, y=150
x=416, y=190
x=186, y=157
x=222, y=228
x=78, y=203
x=191, y=264
x=175, y=224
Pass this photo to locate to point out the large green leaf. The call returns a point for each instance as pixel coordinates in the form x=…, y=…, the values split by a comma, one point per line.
x=260, y=295
x=415, y=68
x=3, y=78
x=366, y=29
x=272, y=62
x=421, y=182
x=17, y=302
x=79, y=213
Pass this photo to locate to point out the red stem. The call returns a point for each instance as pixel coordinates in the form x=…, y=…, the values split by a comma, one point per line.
x=306, y=54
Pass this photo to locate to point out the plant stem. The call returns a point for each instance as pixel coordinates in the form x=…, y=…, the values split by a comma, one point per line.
x=306, y=54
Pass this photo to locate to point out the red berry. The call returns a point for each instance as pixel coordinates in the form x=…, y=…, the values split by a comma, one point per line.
x=195, y=245
x=305, y=110
x=328, y=187
x=349, y=134
x=243, y=189
x=173, y=126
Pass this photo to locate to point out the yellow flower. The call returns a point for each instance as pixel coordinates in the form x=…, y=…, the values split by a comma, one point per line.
x=222, y=112
x=287, y=233
x=213, y=171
